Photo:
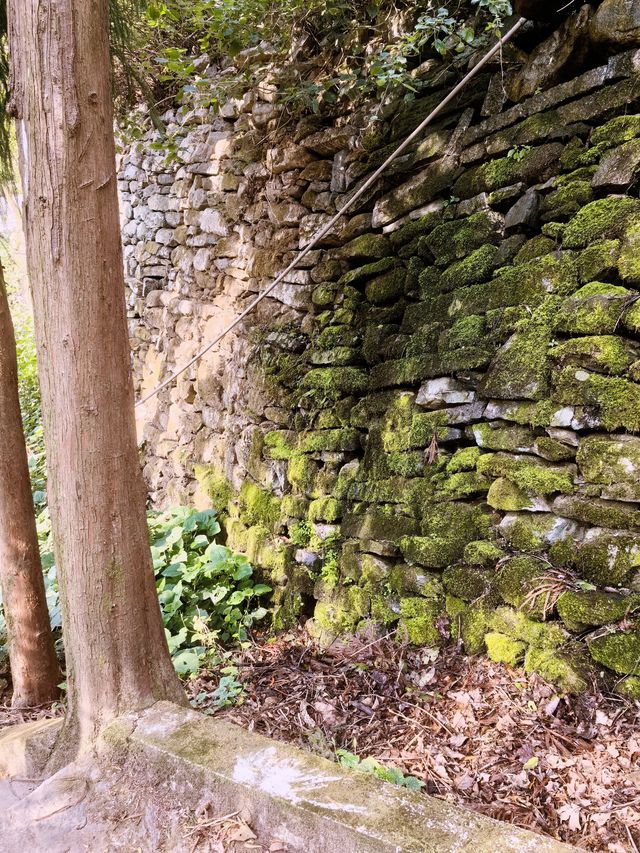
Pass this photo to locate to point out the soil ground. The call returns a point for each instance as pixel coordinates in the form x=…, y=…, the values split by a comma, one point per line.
x=476, y=733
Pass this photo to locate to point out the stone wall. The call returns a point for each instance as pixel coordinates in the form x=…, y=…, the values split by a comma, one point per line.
x=431, y=426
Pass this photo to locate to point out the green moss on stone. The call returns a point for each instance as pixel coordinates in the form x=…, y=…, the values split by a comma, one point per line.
x=332, y=440
x=417, y=621
x=607, y=459
x=516, y=579
x=293, y=506
x=455, y=240
x=603, y=353
x=616, y=131
x=347, y=380
x=567, y=200
x=629, y=687
x=477, y=267
x=302, y=473
x=508, y=497
x=618, y=651
x=605, y=218
x=598, y=260
x=466, y=582
x=215, y=485
x=535, y=248
x=387, y=287
x=503, y=649
x=482, y=553
x=595, y=309
x=474, y=624
x=615, y=400
x=325, y=509
x=629, y=262
x=566, y=671
x=528, y=473
x=257, y=506
x=578, y=608
x=608, y=558
x=367, y=271
x=464, y=459
x=519, y=626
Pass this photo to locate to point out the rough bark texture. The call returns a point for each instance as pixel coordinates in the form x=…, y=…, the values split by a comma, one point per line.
x=117, y=656
x=34, y=668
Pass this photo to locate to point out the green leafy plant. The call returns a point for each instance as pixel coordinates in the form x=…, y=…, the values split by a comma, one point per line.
x=518, y=152
x=375, y=768
x=207, y=593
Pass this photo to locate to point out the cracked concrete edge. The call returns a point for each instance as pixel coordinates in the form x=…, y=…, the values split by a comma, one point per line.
x=308, y=802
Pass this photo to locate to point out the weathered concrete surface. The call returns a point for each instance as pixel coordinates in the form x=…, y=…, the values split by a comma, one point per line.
x=24, y=749
x=313, y=805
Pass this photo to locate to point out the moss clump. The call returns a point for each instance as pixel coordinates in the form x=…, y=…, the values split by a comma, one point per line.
x=598, y=260
x=417, y=621
x=455, y=240
x=531, y=532
x=466, y=582
x=378, y=524
x=367, y=271
x=332, y=440
x=343, y=380
x=258, y=506
x=520, y=369
x=482, y=553
x=387, y=287
x=528, y=473
x=215, y=485
x=603, y=353
x=594, y=607
x=506, y=496
x=616, y=401
x=566, y=671
x=464, y=484
x=293, y=506
x=595, y=309
x=619, y=651
x=607, y=558
x=630, y=687
x=402, y=371
x=302, y=473
x=468, y=331
x=454, y=608
x=433, y=552
x=279, y=444
x=535, y=248
x=464, y=459
x=566, y=200
x=471, y=270
x=474, y=624
x=629, y=263
x=519, y=626
x=616, y=131
x=325, y=509
x=606, y=459
x=503, y=649
x=605, y=218
x=367, y=246
x=516, y=579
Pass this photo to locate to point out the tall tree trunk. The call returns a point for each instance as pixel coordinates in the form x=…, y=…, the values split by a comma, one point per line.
x=34, y=669
x=116, y=651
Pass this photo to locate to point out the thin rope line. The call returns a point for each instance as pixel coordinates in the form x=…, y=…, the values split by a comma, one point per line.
x=329, y=225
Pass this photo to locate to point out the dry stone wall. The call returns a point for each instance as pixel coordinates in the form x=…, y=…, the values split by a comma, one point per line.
x=433, y=424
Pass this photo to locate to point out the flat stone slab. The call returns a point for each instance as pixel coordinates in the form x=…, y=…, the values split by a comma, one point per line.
x=310, y=803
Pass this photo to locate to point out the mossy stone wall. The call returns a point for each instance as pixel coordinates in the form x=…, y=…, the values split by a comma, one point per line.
x=442, y=433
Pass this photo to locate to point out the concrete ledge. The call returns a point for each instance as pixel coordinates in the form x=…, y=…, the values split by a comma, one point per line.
x=313, y=805
x=25, y=748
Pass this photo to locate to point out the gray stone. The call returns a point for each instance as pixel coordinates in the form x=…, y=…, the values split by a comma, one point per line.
x=523, y=212
x=617, y=22
x=438, y=393
x=619, y=168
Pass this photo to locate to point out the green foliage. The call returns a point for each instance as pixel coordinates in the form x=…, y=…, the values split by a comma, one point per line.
x=207, y=593
x=372, y=766
x=328, y=50
x=29, y=391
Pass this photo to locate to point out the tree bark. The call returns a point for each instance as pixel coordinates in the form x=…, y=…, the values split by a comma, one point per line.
x=116, y=651
x=34, y=669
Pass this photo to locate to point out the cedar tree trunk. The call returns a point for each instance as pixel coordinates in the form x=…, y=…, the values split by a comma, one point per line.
x=116, y=651
x=34, y=669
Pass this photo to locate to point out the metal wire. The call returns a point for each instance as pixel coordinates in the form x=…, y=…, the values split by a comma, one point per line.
x=329, y=225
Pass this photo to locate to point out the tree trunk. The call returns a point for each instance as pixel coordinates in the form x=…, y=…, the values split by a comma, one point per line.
x=116, y=651
x=34, y=669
